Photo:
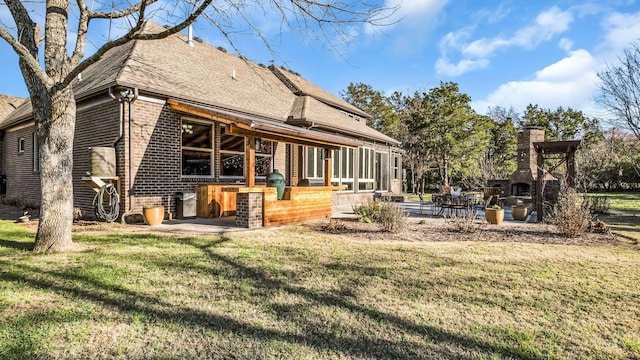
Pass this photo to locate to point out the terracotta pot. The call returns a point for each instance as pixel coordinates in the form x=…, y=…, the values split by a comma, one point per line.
x=494, y=216
x=153, y=215
x=520, y=214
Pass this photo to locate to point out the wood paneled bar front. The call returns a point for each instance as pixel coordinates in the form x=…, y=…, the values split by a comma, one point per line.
x=298, y=203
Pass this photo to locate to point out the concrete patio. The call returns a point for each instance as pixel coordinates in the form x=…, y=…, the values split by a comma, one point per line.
x=227, y=223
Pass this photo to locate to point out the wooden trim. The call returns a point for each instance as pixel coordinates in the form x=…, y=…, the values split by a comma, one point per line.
x=206, y=113
x=268, y=135
x=250, y=163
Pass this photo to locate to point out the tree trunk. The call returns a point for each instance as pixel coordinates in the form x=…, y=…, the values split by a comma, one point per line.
x=56, y=126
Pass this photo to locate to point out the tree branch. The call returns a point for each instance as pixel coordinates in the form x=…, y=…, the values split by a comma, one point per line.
x=26, y=45
x=133, y=34
x=81, y=39
x=120, y=13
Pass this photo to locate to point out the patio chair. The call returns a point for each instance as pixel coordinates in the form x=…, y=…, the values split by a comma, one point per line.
x=425, y=204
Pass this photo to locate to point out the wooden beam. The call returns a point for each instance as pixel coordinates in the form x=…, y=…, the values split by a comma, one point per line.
x=236, y=130
x=206, y=113
x=327, y=167
x=250, y=163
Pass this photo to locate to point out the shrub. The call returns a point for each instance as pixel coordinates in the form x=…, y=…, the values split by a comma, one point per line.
x=387, y=215
x=465, y=223
x=570, y=214
x=368, y=213
x=19, y=201
x=391, y=217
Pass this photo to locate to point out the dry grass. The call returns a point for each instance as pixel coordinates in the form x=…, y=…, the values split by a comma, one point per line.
x=302, y=292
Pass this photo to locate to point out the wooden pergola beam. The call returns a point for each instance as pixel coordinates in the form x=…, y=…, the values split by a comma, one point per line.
x=266, y=135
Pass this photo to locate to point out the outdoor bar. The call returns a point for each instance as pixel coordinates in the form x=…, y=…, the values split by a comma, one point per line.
x=258, y=206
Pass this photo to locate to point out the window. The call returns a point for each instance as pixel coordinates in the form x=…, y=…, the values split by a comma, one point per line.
x=231, y=154
x=264, y=154
x=396, y=168
x=366, y=162
x=197, y=148
x=382, y=171
x=315, y=168
x=342, y=168
x=21, y=145
x=37, y=154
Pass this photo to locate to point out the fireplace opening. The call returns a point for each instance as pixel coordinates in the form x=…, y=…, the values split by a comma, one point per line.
x=521, y=189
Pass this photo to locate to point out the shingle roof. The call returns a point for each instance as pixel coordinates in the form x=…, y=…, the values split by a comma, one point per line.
x=302, y=86
x=311, y=110
x=205, y=74
x=8, y=104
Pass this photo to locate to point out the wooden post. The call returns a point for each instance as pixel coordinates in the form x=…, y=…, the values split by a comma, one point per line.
x=250, y=163
x=539, y=187
x=327, y=167
x=571, y=169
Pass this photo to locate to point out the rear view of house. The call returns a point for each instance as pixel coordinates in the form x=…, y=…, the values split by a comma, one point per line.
x=175, y=114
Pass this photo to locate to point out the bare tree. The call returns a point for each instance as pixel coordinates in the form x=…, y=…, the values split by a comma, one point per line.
x=620, y=89
x=50, y=84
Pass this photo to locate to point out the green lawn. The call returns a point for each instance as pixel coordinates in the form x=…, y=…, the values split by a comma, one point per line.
x=294, y=293
x=624, y=218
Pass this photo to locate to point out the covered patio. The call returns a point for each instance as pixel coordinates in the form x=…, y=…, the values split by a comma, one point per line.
x=256, y=205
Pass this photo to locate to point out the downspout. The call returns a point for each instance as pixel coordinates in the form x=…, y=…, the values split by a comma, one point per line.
x=128, y=96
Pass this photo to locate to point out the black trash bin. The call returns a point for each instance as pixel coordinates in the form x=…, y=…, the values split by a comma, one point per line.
x=185, y=205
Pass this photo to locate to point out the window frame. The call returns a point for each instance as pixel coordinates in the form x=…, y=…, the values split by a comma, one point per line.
x=21, y=145
x=208, y=150
x=233, y=152
x=343, y=160
x=264, y=155
x=318, y=166
x=382, y=176
x=395, y=168
x=366, y=168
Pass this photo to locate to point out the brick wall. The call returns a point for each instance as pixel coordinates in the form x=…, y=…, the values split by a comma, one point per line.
x=97, y=125
x=22, y=181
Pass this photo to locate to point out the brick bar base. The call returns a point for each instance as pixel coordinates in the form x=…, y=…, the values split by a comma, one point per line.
x=249, y=210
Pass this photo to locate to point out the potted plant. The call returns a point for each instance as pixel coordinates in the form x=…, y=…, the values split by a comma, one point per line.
x=520, y=212
x=153, y=214
x=494, y=214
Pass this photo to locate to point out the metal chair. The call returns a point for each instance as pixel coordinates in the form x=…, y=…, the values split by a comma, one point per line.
x=424, y=204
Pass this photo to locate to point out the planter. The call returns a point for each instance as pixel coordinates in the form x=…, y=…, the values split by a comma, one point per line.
x=153, y=215
x=520, y=214
x=494, y=216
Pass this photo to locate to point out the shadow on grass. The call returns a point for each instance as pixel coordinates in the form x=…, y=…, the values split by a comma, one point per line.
x=18, y=245
x=436, y=343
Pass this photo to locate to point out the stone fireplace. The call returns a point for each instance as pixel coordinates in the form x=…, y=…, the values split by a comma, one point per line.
x=522, y=183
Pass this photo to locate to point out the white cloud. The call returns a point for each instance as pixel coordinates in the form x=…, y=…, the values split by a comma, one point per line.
x=443, y=66
x=622, y=30
x=547, y=25
x=410, y=13
x=565, y=44
x=570, y=82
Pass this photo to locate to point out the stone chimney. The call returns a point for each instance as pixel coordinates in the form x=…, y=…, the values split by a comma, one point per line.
x=527, y=157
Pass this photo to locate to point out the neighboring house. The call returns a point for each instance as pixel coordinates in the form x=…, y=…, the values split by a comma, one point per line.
x=178, y=113
x=7, y=105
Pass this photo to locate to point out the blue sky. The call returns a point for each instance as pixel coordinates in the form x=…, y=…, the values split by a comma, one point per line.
x=501, y=53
